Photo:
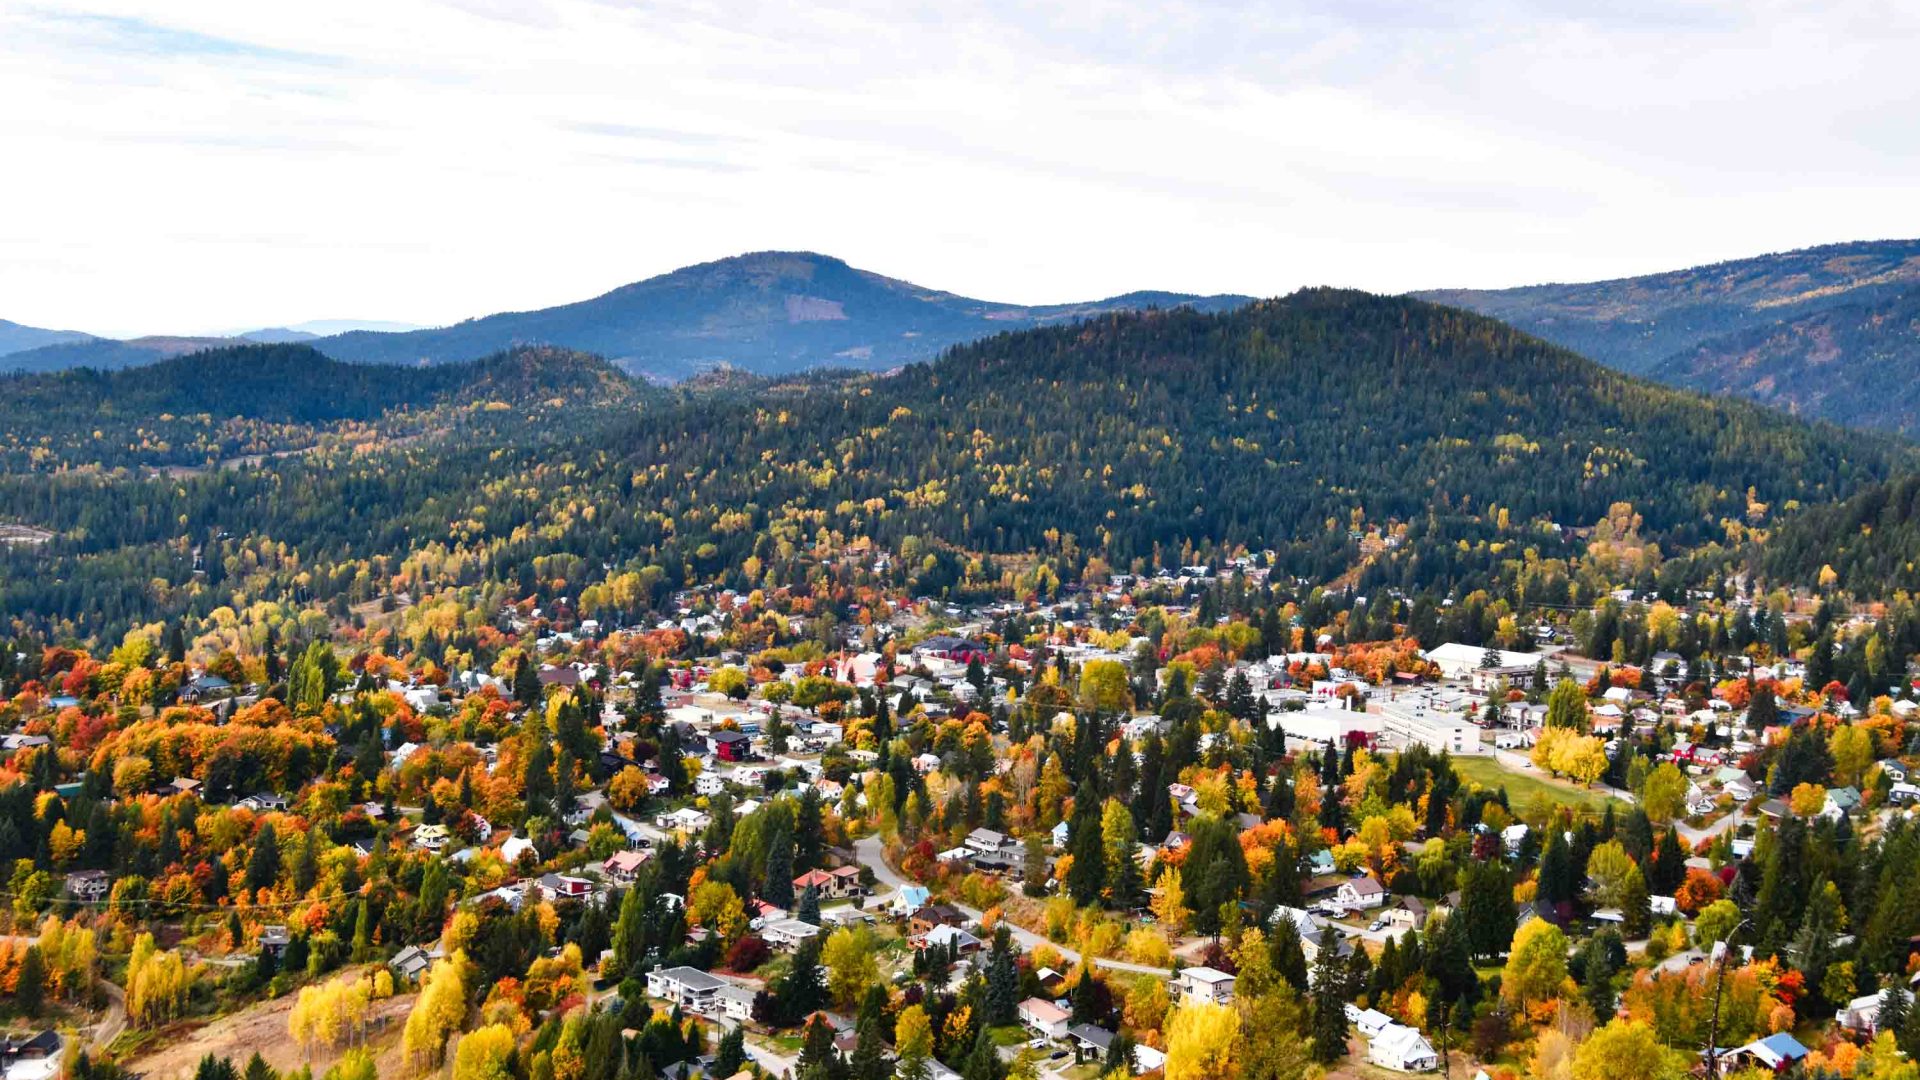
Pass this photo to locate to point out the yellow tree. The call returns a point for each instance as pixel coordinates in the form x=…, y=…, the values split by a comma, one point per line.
x=1537, y=964
x=1626, y=1050
x=482, y=1054
x=438, y=1012
x=1170, y=905
x=851, y=965
x=1201, y=1042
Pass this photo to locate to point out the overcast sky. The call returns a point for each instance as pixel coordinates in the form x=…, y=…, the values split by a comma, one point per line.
x=218, y=165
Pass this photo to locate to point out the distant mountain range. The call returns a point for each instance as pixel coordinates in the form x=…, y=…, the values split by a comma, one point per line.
x=1830, y=332
x=767, y=313
x=770, y=312
x=15, y=338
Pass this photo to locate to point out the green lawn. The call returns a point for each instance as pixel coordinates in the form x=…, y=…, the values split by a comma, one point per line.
x=1521, y=788
x=1008, y=1035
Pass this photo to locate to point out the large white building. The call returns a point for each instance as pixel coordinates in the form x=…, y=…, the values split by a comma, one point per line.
x=1413, y=718
x=1457, y=661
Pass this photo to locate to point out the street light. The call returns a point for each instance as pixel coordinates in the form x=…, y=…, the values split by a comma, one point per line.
x=1719, y=980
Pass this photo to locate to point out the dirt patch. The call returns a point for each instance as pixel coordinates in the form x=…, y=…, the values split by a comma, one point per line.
x=263, y=1028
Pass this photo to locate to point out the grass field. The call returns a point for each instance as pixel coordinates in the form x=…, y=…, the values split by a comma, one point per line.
x=1523, y=788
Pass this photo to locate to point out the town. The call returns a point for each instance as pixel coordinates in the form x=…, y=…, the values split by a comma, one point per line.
x=1161, y=827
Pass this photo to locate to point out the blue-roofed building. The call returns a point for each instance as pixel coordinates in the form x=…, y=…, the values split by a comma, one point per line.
x=1776, y=1052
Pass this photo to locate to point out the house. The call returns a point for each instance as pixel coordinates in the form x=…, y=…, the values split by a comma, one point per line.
x=949, y=937
x=910, y=899
x=1862, y=1014
x=787, y=933
x=411, y=963
x=686, y=818
x=708, y=784
x=1044, y=1018
x=931, y=916
x=1407, y=913
x=1146, y=1059
x=987, y=841
x=1840, y=802
x=554, y=887
x=1060, y=836
x=1361, y=892
x=1776, y=1052
x=734, y=1002
x=89, y=886
x=689, y=988
x=845, y=915
x=181, y=785
x=836, y=884
x=623, y=867
x=1402, y=1049
x=1204, y=984
x=1091, y=1040
x=273, y=941
x=262, y=802
x=35, y=1057
x=515, y=847
x=431, y=837
x=732, y=746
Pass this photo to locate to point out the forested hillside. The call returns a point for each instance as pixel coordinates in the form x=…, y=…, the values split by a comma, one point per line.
x=260, y=399
x=1142, y=441
x=1824, y=332
x=15, y=337
x=1870, y=542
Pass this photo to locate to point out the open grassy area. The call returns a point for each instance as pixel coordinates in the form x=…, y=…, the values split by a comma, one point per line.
x=1522, y=788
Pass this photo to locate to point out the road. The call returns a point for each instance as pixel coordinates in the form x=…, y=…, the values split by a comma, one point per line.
x=1693, y=836
x=872, y=854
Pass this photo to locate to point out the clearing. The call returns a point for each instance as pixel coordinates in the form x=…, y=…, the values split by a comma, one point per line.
x=1523, y=788
x=263, y=1027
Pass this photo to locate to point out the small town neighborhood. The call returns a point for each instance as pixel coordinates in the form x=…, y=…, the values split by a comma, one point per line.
x=1021, y=845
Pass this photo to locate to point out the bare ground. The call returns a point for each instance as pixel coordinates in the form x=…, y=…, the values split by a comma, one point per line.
x=263, y=1028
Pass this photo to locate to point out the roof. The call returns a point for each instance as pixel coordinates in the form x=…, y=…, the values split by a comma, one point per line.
x=692, y=978
x=1093, y=1036
x=1206, y=975
x=1044, y=1011
x=1366, y=886
x=730, y=736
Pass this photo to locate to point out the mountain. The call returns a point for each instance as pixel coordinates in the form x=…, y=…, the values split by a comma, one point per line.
x=107, y=354
x=241, y=401
x=277, y=335
x=1827, y=332
x=1383, y=442
x=768, y=312
x=15, y=338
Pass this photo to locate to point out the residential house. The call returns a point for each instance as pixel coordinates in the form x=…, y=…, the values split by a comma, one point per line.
x=837, y=884
x=431, y=837
x=686, y=818
x=1091, y=1040
x=1862, y=1014
x=689, y=988
x=988, y=841
x=515, y=847
x=1776, y=1052
x=734, y=1002
x=732, y=746
x=89, y=886
x=1044, y=1018
x=34, y=1057
x=931, y=916
x=949, y=937
x=909, y=899
x=1361, y=892
x=623, y=867
x=262, y=802
x=1407, y=913
x=411, y=963
x=787, y=933
x=273, y=941
x=1840, y=802
x=1204, y=984
x=1402, y=1049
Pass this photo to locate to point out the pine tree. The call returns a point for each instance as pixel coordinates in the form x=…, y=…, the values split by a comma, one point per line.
x=30, y=988
x=1289, y=956
x=1329, y=1029
x=1003, y=980
x=732, y=1052
x=809, y=908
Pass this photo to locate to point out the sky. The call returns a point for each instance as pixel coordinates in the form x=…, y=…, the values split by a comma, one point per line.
x=223, y=164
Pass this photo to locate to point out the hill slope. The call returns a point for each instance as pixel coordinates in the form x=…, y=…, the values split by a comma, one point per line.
x=768, y=312
x=1824, y=332
x=1146, y=440
x=263, y=399
x=15, y=338
x=108, y=354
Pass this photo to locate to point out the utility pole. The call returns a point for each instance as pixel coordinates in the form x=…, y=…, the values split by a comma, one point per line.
x=1719, y=981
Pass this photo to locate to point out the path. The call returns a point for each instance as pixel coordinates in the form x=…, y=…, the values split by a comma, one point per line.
x=1694, y=836
x=872, y=854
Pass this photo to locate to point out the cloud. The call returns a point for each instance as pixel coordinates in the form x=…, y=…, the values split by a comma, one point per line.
x=232, y=163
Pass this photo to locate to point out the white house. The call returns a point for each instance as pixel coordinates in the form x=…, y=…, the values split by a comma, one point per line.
x=1360, y=892
x=1199, y=984
x=1862, y=1014
x=690, y=988
x=1402, y=1049
x=787, y=933
x=1044, y=1018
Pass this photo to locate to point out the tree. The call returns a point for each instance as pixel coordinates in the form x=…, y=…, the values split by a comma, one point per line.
x=438, y=1012
x=732, y=1052
x=1170, y=906
x=1664, y=794
x=1003, y=980
x=1329, y=1002
x=913, y=1042
x=484, y=1054
x=1202, y=1042
x=263, y=866
x=1567, y=707
x=1626, y=1050
x=1122, y=869
x=1536, y=964
x=851, y=965
x=30, y=987
x=730, y=681
x=1104, y=686
x=1852, y=750
x=1607, y=868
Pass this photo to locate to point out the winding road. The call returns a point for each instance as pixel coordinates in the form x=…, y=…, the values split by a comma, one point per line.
x=872, y=854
